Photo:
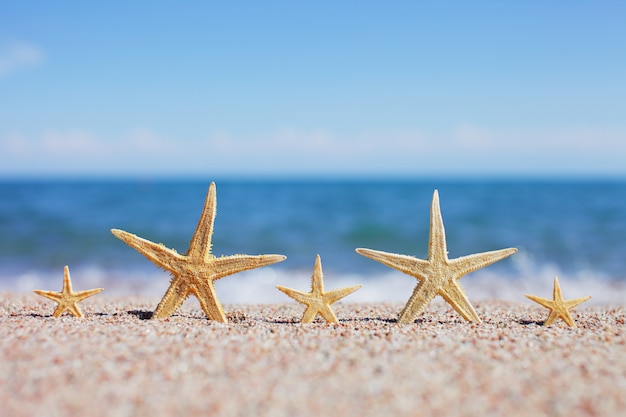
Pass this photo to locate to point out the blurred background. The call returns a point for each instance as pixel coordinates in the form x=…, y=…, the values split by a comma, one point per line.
x=326, y=127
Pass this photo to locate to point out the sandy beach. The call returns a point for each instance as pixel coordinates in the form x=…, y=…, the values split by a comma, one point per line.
x=115, y=362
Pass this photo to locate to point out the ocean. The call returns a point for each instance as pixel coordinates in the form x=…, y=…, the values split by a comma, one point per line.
x=570, y=228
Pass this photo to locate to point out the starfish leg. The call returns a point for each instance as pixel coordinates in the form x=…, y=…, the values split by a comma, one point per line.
x=67, y=282
x=299, y=296
x=456, y=297
x=328, y=314
x=54, y=296
x=554, y=315
x=155, y=252
x=209, y=302
x=335, y=295
x=567, y=318
x=60, y=310
x=174, y=297
x=229, y=265
x=81, y=295
x=569, y=304
x=470, y=263
x=75, y=310
x=309, y=315
x=540, y=300
x=317, y=279
x=422, y=295
x=403, y=263
x=200, y=246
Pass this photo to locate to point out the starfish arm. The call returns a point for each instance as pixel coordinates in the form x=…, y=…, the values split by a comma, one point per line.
x=556, y=292
x=209, y=302
x=299, y=296
x=317, y=279
x=309, y=314
x=437, y=248
x=200, y=246
x=75, y=310
x=552, y=317
x=335, y=295
x=61, y=308
x=67, y=282
x=567, y=318
x=328, y=314
x=228, y=265
x=174, y=297
x=403, y=263
x=543, y=301
x=422, y=295
x=454, y=295
x=569, y=304
x=470, y=263
x=81, y=295
x=155, y=252
x=51, y=295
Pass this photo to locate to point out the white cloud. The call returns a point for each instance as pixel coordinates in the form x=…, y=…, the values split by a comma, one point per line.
x=320, y=142
x=569, y=140
x=84, y=143
x=145, y=140
x=16, y=55
x=465, y=149
x=74, y=142
x=464, y=139
x=15, y=144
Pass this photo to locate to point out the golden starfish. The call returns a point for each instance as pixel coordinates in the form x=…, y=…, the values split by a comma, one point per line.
x=67, y=299
x=437, y=275
x=318, y=301
x=195, y=272
x=558, y=307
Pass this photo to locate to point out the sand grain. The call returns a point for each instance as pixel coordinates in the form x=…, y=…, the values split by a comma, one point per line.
x=113, y=362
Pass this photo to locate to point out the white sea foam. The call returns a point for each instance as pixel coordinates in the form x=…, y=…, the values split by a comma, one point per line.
x=259, y=286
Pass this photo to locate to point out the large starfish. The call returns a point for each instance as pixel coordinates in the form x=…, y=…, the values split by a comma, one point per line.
x=318, y=301
x=67, y=299
x=559, y=308
x=437, y=275
x=195, y=272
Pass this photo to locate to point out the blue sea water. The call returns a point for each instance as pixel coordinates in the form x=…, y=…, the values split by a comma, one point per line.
x=573, y=229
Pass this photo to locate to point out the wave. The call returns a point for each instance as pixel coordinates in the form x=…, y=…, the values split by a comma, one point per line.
x=258, y=286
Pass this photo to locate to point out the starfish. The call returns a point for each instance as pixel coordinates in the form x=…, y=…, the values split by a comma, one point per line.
x=558, y=307
x=195, y=272
x=437, y=275
x=67, y=299
x=318, y=301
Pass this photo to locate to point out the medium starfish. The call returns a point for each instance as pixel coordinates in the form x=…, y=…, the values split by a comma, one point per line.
x=558, y=307
x=437, y=275
x=318, y=301
x=195, y=272
x=67, y=299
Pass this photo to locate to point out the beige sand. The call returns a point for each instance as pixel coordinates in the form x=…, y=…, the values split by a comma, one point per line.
x=115, y=363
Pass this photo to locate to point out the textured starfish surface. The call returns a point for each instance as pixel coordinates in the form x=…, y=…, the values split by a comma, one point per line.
x=437, y=275
x=195, y=272
x=318, y=301
x=67, y=299
x=559, y=308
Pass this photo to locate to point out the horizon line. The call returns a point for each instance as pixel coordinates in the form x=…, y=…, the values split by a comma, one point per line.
x=324, y=177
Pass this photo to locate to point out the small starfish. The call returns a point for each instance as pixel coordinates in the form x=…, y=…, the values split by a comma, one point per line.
x=318, y=301
x=558, y=307
x=67, y=299
x=437, y=275
x=195, y=272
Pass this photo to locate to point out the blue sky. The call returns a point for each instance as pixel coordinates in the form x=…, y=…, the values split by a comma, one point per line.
x=313, y=88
